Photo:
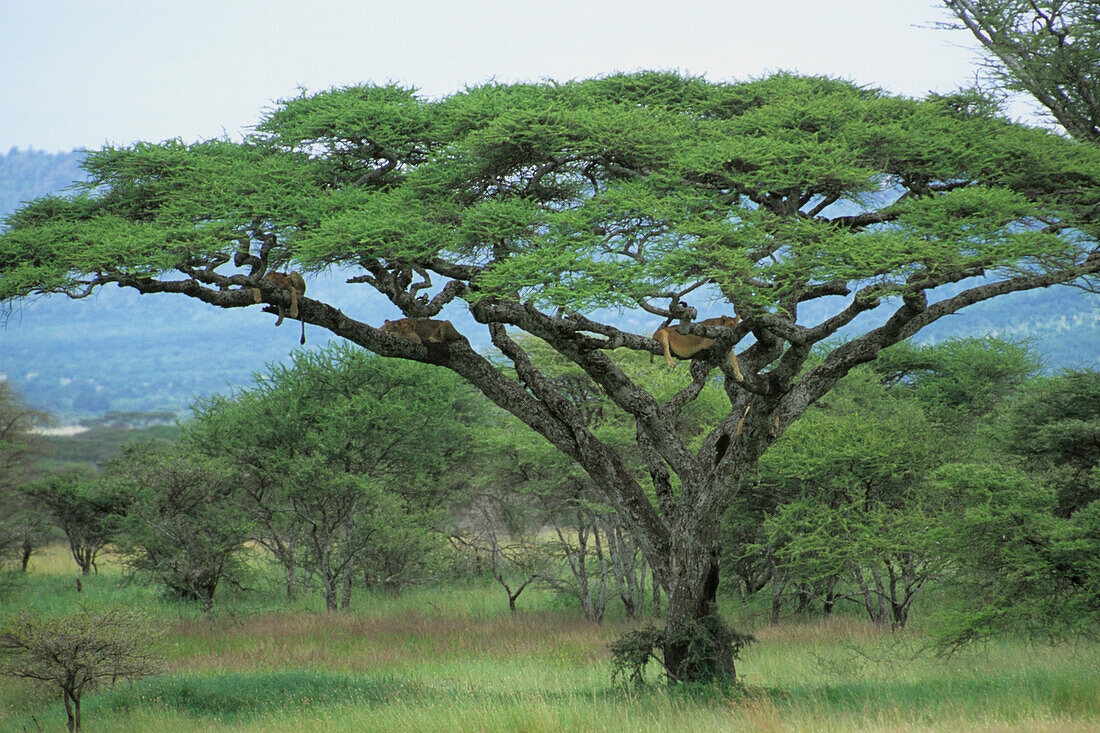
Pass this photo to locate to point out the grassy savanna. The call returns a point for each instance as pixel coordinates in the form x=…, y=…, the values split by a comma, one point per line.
x=452, y=658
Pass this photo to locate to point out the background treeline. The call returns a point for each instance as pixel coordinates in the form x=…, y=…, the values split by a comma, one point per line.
x=81, y=359
x=952, y=486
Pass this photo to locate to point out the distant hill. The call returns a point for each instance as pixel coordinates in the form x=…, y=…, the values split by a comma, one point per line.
x=121, y=351
x=28, y=174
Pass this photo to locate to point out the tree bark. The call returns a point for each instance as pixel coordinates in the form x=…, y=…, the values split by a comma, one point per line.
x=72, y=709
x=345, y=599
x=25, y=557
x=691, y=605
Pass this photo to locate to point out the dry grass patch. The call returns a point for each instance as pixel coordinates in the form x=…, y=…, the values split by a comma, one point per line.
x=827, y=630
x=353, y=643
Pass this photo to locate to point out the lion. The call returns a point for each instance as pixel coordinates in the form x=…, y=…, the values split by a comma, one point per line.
x=687, y=345
x=295, y=284
x=422, y=330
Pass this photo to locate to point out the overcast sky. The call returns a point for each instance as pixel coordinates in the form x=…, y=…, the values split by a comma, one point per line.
x=81, y=74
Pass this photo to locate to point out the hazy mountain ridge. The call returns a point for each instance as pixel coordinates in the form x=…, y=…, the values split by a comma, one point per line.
x=118, y=350
x=28, y=174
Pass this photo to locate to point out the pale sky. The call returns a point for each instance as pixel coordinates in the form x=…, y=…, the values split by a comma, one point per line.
x=82, y=74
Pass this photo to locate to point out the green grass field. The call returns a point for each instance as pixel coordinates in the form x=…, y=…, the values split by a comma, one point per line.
x=454, y=659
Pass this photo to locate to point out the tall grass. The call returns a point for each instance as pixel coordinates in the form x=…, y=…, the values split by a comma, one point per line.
x=452, y=658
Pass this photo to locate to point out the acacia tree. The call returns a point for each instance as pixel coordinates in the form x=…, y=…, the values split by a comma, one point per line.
x=1016, y=565
x=799, y=204
x=855, y=527
x=1047, y=48
x=845, y=494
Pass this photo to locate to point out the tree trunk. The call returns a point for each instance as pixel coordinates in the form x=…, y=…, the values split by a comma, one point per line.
x=72, y=709
x=624, y=564
x=331, y=604
x=345, y=600
x=580, y=569
x=804, y=592
x=778, y=582
x=286, y=555
x=656, y=593
x=869, y=600
x=883, y=608
x=328, y=581
x=27, y=549
x=691, y=614
x=85, y=558
x=601, y=599
x=291, y=582
x=830, y=595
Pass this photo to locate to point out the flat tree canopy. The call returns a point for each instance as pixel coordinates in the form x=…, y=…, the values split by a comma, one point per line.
x=535, y=205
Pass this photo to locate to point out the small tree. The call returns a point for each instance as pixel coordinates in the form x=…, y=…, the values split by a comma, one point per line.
x=506, y=538
x=76, y=653
x=1017, y=567
x=844, y=500
x=84, y=508
x=21, y=528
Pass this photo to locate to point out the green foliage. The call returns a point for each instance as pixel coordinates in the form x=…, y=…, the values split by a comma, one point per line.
x=632, y=652
x=845, y=510
x=84, y=508
x=178, y=524
x=1054, y=426
x=840, y=499
x=347, y=461
x=1017, y=567
x=156, y=205
x=960, y=379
